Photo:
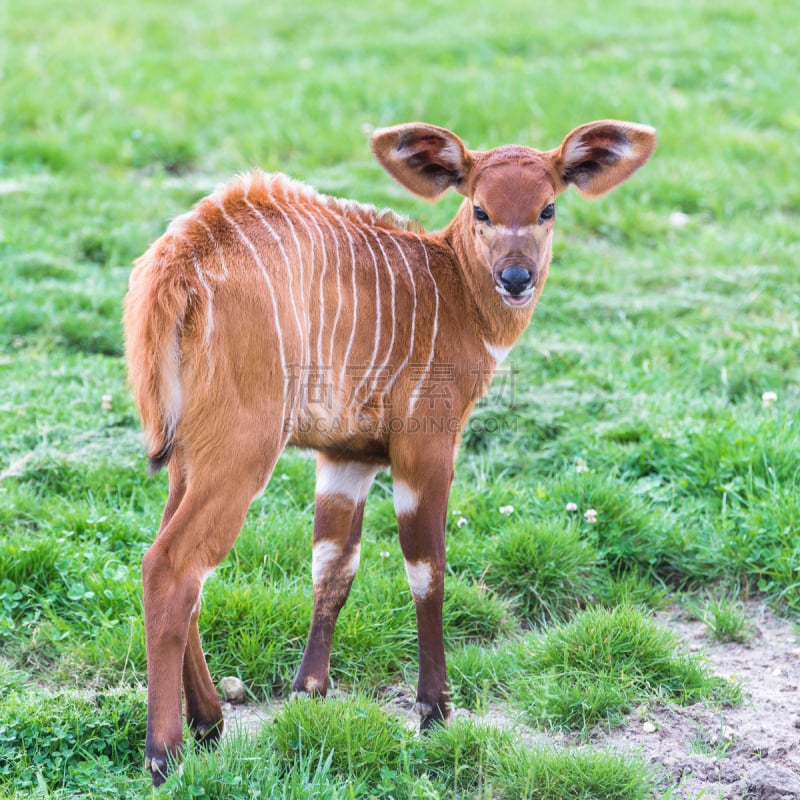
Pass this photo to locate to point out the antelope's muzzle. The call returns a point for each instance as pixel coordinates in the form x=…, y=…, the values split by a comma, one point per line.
x=517, y=285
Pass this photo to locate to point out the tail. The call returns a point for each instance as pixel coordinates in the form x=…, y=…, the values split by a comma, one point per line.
x=155, y=309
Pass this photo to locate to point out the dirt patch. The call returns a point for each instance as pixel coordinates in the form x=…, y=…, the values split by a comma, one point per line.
x=752, y=751
x=747, y=753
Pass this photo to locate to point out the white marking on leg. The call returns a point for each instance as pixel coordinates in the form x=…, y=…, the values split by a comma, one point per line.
x=324, y=558
x=419, y=578
x=325, y=552
x=348, y=479
x=406, y=499
x=355, y=559
x=203, y=578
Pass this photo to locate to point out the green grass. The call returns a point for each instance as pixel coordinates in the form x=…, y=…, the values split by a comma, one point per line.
x=81, y=742
x=725, y=616
x=637, y=393
x=350, y=747
x=601, y=664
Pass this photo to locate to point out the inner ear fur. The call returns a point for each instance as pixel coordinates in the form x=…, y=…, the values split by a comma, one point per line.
x=599, y=156
x=423, y=158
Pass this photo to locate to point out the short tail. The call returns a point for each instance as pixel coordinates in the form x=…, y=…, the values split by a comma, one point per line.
x=155, y=310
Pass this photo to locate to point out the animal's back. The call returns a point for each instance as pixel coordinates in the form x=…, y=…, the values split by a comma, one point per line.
x=271, y=298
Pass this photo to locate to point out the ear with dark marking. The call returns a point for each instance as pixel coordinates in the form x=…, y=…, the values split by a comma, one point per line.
x=425, y=159
x=599, y=156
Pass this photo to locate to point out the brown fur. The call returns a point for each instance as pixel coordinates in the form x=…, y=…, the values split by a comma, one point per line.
x=271, y=315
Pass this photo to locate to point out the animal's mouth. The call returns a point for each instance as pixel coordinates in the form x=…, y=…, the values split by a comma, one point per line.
x=516, y=300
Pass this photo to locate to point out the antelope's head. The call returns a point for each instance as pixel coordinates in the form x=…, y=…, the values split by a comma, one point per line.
x=509, y=211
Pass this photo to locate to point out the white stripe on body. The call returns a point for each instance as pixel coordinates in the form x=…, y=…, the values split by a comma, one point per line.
x=204, y=283
x=336, y=317
x=402, y=366
x=324, y=250
x=346, y=359
x=304, y=332
x=371, y=366
x=301, y=328
x=415, y=393
x=275, y=309
x=217, y=276
x=384, y=364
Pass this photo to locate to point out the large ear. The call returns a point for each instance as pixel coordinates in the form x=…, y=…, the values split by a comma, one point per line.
x=598, y=156
x=425, y=159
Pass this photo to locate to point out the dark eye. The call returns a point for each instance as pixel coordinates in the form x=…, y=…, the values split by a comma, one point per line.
x=480, y=214
x=548, y=212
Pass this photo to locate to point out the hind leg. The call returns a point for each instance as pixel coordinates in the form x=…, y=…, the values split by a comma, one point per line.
x=195, y=537
x=203, y=709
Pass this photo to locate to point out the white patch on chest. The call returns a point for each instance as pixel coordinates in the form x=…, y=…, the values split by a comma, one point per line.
x=499, y=354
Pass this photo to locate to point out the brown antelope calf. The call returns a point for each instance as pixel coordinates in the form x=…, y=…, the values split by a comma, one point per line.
x=271, y=315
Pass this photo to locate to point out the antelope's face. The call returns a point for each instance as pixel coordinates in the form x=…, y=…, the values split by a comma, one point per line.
x=512, y=209
x=507, y=219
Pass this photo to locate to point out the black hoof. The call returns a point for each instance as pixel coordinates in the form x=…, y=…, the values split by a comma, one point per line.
x=207, y=734
x=158, y=768
x=432, y=715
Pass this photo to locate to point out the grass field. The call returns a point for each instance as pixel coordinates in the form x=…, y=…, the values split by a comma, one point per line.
x=658, y=386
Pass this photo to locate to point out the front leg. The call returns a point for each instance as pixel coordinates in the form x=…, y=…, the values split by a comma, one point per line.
x=421, y=491
x=342, y=488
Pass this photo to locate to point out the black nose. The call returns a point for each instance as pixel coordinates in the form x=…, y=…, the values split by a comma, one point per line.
x=515, y=280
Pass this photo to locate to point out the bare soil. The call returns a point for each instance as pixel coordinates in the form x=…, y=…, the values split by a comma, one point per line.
x=750, y=752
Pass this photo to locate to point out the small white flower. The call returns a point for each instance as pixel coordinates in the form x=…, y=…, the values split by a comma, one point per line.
x=572, y=507
x=462, y=521
x=590, y=515
x=384, y=554
x=107, y=402
x=506, y=510
x=677, y=219
x=768, y=399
